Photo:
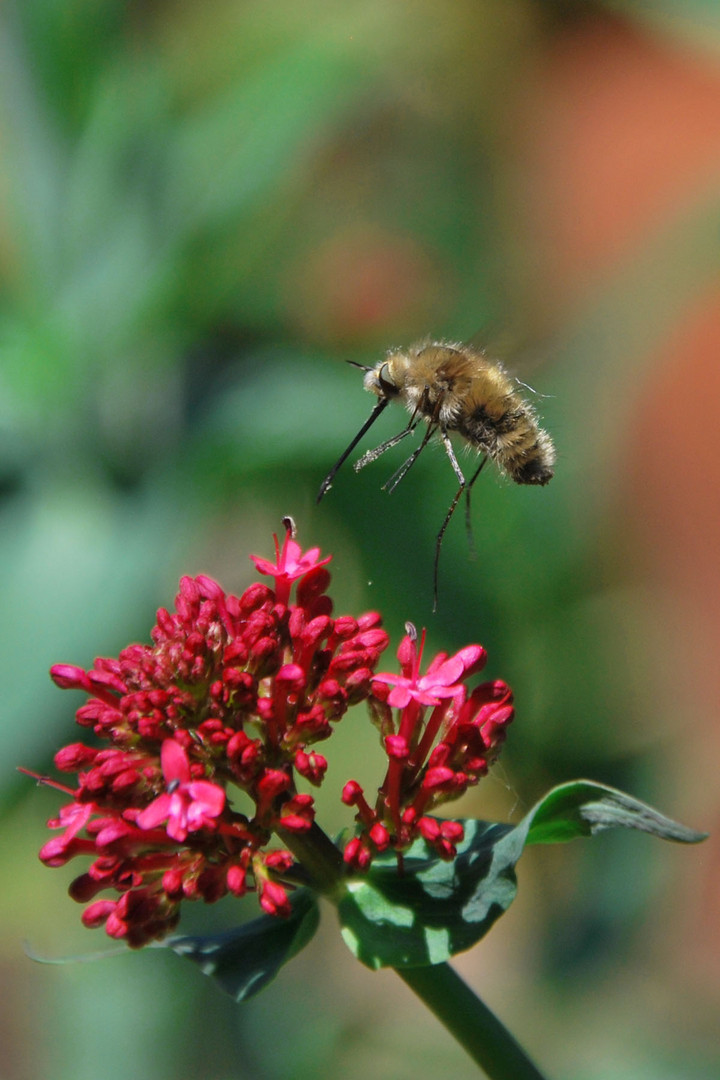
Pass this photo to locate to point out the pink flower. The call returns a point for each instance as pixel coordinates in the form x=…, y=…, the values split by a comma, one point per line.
x=442, y=679
x=290, y=563
x=187, y=805
x=440, y=742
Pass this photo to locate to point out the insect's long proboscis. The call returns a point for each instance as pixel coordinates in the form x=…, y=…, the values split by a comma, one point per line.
x=327, y=482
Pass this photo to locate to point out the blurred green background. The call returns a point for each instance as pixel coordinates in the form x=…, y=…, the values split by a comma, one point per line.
x=205, y=208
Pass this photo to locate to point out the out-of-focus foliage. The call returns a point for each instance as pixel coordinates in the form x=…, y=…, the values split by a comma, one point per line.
x=205, y=208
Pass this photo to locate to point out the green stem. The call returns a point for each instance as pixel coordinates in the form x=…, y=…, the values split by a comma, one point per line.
x=470, y=1021
x=318, y=856
x=462, y=1012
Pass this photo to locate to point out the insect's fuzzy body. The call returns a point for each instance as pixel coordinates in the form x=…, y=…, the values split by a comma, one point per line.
x=458, y=389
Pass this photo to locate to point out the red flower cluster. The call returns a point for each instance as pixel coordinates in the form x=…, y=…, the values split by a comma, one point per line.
x=235, y=692
x=423, y=772
x=232, y=691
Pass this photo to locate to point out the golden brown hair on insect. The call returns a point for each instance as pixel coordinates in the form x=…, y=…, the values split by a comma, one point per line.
x=455, y=389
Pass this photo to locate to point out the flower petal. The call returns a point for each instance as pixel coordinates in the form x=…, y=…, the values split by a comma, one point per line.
x=175, y=764
x=154, y=814
x=210, y=796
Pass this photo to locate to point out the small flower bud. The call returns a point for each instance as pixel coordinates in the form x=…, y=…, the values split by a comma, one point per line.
x=397, y=747
x=274, y=899
x=69, y=677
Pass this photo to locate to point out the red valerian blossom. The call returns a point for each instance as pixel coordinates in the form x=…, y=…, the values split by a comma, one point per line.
x=233, y=694
x=233, y=691
x=431, y=757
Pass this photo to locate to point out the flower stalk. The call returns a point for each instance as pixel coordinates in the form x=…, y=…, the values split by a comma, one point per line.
x=471, y=1022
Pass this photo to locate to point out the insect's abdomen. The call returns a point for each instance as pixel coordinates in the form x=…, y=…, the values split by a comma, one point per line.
x=505, y=427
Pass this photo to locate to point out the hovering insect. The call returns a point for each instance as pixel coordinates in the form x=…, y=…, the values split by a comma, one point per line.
x=455, y=389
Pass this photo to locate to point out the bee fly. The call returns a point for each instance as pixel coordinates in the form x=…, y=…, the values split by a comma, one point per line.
x=455, y=389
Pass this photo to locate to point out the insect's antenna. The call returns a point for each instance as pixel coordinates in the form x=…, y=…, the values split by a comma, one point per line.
x=397, y=476
x=363, y=367
x=327, y=482
x=373, y=455
x=468, y=520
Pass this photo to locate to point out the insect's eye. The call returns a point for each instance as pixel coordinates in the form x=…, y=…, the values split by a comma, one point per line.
x=388, y=388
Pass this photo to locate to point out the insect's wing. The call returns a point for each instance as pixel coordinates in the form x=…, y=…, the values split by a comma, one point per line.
x=520, y=354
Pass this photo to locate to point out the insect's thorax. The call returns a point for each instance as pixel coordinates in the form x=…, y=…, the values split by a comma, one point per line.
x=445, y=385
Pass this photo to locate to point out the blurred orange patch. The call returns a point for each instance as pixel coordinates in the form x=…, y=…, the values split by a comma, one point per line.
x=623, y=128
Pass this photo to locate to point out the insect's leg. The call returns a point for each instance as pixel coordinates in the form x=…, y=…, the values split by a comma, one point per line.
x=453, y=460
x=468, y=521
x=327, y=482
x=423, y=408
x=397, y=476
x=373, y=455
x=463, y=483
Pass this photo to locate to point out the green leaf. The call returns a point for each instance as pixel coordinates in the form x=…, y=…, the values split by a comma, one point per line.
x=583, y=808
x=246, y=959
x=437, y=909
